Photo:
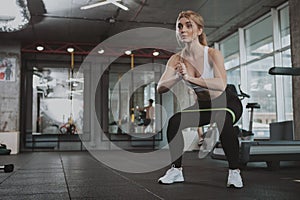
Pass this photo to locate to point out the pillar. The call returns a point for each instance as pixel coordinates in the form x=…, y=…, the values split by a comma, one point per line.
x=294, y=7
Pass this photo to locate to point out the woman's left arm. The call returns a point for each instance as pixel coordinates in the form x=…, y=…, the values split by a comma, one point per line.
x=219, y=81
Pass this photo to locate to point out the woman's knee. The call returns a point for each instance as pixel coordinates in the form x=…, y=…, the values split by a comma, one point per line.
x=223, y=117
x=225, y=124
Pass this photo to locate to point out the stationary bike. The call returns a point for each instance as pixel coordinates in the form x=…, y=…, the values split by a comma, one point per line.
x=247, y=134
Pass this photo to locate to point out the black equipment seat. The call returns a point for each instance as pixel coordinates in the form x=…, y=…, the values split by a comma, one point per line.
x=252, y=105
x=232, y=88
x=241, y=96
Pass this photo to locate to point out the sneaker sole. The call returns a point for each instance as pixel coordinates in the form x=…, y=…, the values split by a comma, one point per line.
x=233, y=186
x=160, y=182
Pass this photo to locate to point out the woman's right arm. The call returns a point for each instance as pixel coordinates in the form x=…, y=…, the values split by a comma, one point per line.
x=170, y=76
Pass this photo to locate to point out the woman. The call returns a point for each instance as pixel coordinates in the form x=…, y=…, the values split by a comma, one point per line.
x=201, y=68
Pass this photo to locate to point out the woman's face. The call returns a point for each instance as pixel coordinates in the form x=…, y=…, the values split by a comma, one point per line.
x=187, y=30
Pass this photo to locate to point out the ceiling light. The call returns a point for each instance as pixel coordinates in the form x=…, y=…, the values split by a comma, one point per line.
x=70, y=49
x=101, y=51
x=40, y=48
x=14, y=15
x=155, y=53
x=115, y=2
x=94, y=5
x=128, y=52
x=119, y=5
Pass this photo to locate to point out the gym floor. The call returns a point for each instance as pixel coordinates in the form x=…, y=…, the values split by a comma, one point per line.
x=77, y=175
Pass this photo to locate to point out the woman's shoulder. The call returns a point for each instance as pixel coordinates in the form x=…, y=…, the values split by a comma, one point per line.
x=175, y=57
x=214, y=53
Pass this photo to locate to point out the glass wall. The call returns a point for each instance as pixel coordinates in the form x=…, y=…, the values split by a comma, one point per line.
x=230, y=50
x=287, y=84
x=253, y=62
x=286, y=61
x=284, y=26
x=233, y=76
x=261, y=88
x=259, y=39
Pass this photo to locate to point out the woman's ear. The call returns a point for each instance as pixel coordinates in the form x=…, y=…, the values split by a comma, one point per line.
x=200, y=31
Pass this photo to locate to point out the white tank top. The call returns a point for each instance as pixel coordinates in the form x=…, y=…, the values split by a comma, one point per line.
x=208, y=72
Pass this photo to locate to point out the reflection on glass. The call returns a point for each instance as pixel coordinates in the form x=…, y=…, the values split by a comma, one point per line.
x=57, y=102
x=129, y=105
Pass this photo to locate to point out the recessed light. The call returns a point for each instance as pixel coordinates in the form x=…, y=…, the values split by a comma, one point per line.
x=155, y=53
x=101, y=51
x=70, y=49
x=40, y=48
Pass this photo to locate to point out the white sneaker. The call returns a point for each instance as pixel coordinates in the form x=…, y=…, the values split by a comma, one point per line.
x=173, y=175
x=234, y=179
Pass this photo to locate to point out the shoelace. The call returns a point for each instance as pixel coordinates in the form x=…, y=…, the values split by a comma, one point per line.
x=170, y=170
x=233, y=173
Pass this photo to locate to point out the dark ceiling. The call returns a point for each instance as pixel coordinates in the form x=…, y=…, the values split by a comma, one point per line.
x=62, y=21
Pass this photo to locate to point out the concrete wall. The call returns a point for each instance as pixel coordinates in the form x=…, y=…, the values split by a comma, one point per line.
x=294, y=6
x=10, y=99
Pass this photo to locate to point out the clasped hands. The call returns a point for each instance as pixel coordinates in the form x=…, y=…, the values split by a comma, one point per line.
x=181, y=71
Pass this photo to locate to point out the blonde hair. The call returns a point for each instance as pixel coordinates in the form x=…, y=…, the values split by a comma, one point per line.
x=198, y=19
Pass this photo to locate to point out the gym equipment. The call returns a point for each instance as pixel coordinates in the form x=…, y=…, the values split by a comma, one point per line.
x=280, y=147
x=7, y=168
x=242, y=133
x=4, y=150
x=289, y=71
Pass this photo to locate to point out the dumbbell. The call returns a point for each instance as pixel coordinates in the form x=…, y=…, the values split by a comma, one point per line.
x=7, y=168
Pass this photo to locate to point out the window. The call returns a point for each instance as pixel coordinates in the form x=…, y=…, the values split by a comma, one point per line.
x=259, y=39
x=230, y=51
x=261, y=88
x=233, y=76
x=287, y=86
x=284, y=27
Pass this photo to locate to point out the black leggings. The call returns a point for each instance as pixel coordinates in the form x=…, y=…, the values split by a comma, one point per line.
x=190, y=117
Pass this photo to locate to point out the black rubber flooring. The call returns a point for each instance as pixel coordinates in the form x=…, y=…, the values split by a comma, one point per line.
x=77, y=175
